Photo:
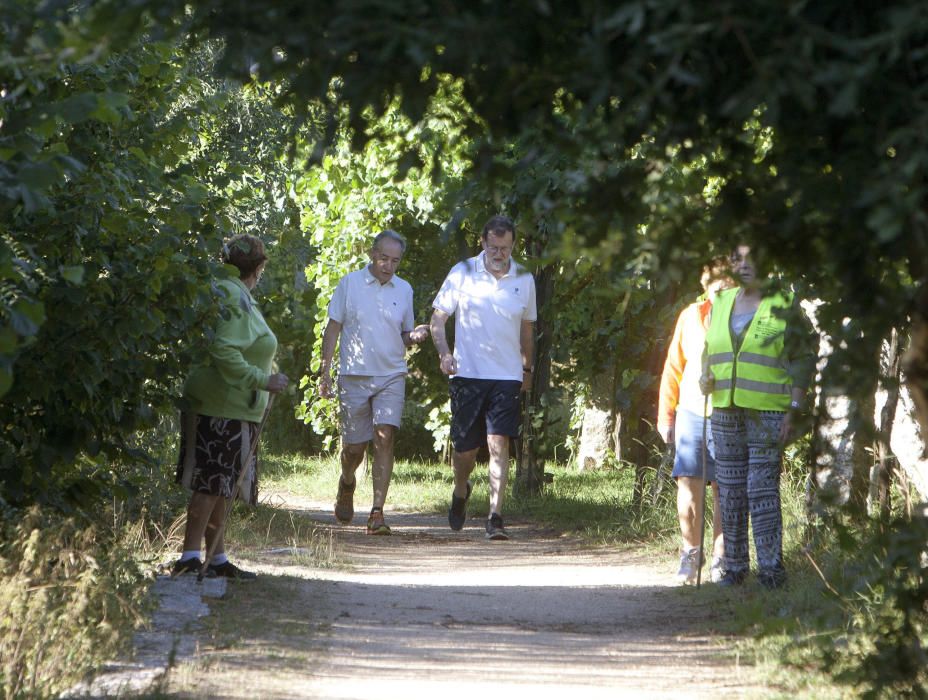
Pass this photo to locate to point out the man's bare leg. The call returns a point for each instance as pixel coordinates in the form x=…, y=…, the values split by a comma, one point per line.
x=463, y=465
x=499, y=470
x=383, y=462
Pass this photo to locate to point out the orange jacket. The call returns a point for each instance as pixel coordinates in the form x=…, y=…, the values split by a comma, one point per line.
x=680, y=378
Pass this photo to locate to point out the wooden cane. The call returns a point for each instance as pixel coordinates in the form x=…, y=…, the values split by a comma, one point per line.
x=252, y=450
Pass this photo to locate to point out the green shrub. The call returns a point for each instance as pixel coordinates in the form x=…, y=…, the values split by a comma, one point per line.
x=70, y=596
x=882, y=647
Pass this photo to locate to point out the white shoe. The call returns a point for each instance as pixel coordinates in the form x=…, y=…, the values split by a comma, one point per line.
x=715, y=570
x=689, y=565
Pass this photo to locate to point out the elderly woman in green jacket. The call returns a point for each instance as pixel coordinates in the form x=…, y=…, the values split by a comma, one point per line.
x=226, y=399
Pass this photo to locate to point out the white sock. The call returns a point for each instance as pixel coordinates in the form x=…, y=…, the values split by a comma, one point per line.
x=219, y=559
x=192, y=554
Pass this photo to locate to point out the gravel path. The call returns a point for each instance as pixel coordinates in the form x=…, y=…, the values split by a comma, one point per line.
x=433, y=613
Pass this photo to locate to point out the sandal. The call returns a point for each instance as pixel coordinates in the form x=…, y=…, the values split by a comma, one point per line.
x=376, y=525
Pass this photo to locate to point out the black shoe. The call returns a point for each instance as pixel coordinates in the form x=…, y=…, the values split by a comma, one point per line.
x=457, y=513
x=732, y=578
x=186, y=566
x=772, y=578
x=230, y=570
x=495, y=530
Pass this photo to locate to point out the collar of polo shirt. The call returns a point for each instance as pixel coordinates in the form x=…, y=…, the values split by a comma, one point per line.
x=370, y=279
x=481, y=266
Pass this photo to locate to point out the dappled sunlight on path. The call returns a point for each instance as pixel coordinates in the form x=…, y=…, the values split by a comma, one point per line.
x=429, y=612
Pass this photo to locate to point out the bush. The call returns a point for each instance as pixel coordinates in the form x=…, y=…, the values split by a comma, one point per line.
x=70, y=596
x=883, y=646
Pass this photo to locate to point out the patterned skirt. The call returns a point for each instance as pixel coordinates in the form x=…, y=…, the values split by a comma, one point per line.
x=212, y=451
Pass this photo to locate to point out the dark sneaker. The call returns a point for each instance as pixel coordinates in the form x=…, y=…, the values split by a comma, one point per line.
x=186, y=566
x=495, y=530
x=457, y=513
x=230, y=570
x=376, y=525
x=732, y=578
x=344, y=502
x=772, y=578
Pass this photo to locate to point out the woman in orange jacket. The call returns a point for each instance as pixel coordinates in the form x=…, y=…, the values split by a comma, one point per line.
x=680, y=423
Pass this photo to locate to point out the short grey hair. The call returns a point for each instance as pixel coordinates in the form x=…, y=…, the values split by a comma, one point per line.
x=391, y=235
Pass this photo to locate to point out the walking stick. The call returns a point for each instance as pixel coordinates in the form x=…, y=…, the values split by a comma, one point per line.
x=253, y=448
x=705, y=474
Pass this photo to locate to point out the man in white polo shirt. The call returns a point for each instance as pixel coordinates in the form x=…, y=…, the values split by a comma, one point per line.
x=492, y=299
x=371, y=320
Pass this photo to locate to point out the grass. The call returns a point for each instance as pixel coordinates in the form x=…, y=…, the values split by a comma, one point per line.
x=595, y=504
x=268, y=528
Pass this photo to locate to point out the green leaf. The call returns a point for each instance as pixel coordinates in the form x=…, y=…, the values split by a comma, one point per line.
x=26, y=316
x=108, y=106
x=7, y=341
x=6, y=379
x=38, y=176
x=77, y=108
x=73, y=274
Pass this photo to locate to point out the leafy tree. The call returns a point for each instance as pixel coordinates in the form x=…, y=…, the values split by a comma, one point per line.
x=122, y=175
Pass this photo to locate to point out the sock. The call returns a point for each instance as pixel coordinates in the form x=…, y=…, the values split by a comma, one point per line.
x=219, y=559
x=191, y=554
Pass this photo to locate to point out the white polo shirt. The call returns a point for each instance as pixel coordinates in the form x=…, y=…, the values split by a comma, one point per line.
x=488, y=315
x=373, y=316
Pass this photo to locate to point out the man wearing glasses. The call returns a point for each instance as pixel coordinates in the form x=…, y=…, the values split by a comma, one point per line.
x=492, y=298
x=371, y=321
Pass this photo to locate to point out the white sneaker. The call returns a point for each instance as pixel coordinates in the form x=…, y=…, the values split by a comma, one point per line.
x=715, y=570
x=689, y=565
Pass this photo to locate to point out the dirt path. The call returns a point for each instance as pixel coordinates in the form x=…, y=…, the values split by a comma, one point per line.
x=433, y=613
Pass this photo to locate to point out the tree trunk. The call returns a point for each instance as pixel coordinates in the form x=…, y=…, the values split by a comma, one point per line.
x=863, y=429
x=886, y=460
x=599, y=433
x=915, y=363
x=530, y=469
x=842, y=443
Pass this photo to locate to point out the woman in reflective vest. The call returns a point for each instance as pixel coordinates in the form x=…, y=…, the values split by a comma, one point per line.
x=757, y=368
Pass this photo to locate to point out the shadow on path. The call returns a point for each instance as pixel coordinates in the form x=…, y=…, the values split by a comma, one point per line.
x=429, y=612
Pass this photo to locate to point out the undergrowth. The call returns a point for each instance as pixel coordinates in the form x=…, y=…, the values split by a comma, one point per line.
x=70, y=597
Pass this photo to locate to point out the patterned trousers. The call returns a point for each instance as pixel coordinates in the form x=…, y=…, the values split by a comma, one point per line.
x=747, y=465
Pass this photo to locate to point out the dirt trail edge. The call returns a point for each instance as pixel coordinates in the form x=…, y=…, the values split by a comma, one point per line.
x=429, y=612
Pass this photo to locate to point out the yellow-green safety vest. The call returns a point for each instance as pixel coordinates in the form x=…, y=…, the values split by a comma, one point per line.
x=754, y=377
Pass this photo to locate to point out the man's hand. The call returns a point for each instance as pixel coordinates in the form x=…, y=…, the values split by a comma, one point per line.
x=276, y=383
x=666, y=433
x=526, y=379
x=325, y=385
x=448, y=364
x=419, y=334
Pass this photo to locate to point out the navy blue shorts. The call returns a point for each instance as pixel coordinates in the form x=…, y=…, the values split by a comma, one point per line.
x=481, y=407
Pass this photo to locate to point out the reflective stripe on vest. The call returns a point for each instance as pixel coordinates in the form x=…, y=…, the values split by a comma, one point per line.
x=756, y=376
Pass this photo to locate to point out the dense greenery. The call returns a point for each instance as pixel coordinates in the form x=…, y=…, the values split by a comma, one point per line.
x=630, y=139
